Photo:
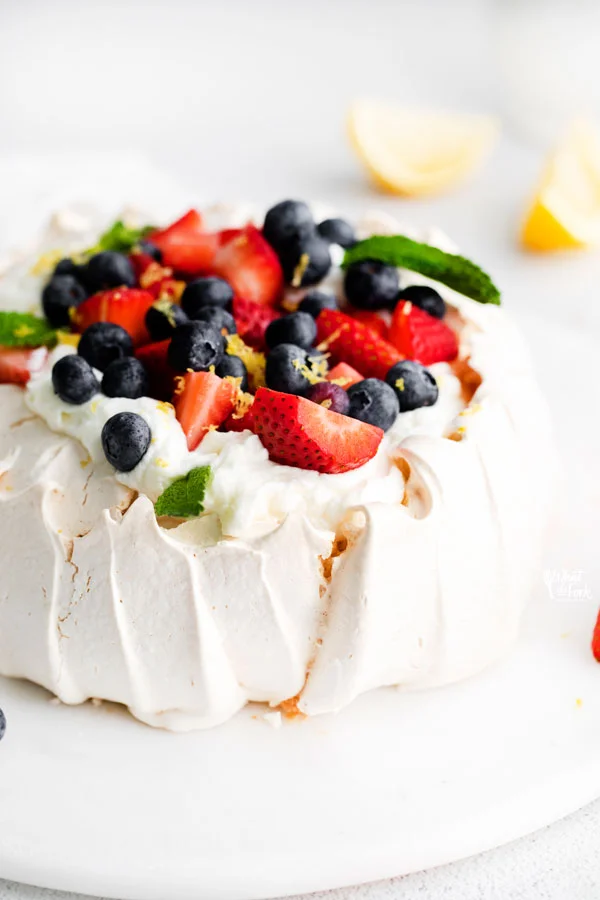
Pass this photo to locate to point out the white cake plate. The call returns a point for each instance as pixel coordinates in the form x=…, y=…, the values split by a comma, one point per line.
x=92, y=801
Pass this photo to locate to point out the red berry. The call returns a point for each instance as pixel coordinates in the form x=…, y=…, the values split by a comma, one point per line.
x=203, y=401
x=161, y=377
x=185, y=247
x=252, y=320
x=297, y=432
x=417, y=335
x=596, y=640
x=352, y=342
x=18, y=364
x=344, y=375
x=371, y=319
x=250, y=265
x=126, y=307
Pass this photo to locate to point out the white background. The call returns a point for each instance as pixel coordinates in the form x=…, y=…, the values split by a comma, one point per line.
x=247, y=100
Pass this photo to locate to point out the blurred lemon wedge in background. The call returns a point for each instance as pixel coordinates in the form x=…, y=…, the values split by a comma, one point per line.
x=415, y=152
x=566, y=210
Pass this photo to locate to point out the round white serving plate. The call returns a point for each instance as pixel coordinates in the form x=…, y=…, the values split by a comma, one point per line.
x=94, y=802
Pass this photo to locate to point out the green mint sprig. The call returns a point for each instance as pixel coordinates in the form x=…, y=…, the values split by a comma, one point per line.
x=24, y=330
x=120, y=238
x=184, y=497
x=455, y=272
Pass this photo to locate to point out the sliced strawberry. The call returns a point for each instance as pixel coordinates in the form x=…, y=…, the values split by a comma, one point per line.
x=299, y=433
x=417, y=335
x=352, y=342
x=18, y=364
x=344, y=375
x=250, y=265
x=252, y=320
x=161, y=376
x=203, y=402
x=126, y=307
x=185, y=246
x=371, y=319
x=141, y=262
x=596, y=640
x=241, y=423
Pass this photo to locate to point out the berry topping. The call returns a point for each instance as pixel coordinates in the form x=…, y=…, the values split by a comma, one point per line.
x=203, y=401
x=233, y=367
x=286, y=222
x=67, y=266
x=61, y=294
x=596, y=640
x=162, y=319
x=203, y=292
x=185, y=246
x=414, y=385
x=125, y=440
x=298, y=328
x=337, y=231
x=102, y=343
x=417, y=335
x=352, y=342
x=331, y=396
x=250, y=265
x=196, y=346
x=161, y=376
x=371, y=319
x=344, y=375
x=252, y=320
x=370, y=284
x=426, y=298
x=108, y=270
x=297, y=432
x=313, y=302
x=126, y=307
x=217, y=317
x=18, y=364
x=305, y=261
x=73, y=380
x=375, y=402
x=150, y=249
x=126, y=378
x=292, y=370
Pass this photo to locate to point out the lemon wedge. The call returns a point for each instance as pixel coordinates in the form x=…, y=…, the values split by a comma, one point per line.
x=415, y=152
x=565, y=212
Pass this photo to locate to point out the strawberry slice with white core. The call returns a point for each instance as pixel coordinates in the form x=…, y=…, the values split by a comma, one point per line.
x=126, y=307
x=184, y=245
x=299, y=433
x=348, y=340
x=202, y=402
x=18, y=364
x=422, y=337
x=250, y=265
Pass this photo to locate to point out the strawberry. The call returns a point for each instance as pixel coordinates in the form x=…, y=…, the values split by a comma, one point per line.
x=417, y=335
x=161, y=377
x=371, y=319
x=141, y=262
x=596, y=640
x=350, y=341
x=344, y=375
x=18, y=364
x=252, y=320
x=250, y=265
x=185, y=246
x=235, y=422
x=297, y=432
x=203, y=401
x=126, y=307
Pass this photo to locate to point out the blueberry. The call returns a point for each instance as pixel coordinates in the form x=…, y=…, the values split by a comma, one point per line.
x=218, y=317
x=286, y=222
x=2, y=724
x=305, y=261
x=103, y=342
x=196, y=346
x=203, y=292
x=426, y=298
x=234, y=367
x=73, y=379
x=60, y=294
x=313, y=302
x=108, y=270
x=370, y=284
x=66, y=266
x=331, y=396
x=414, y=385
x=373, y=401
x=150, y=249
x=162, y=319
x=286, y=368
x=298, y=328
x=125, y=378
x=337, y=231
x=125, y=439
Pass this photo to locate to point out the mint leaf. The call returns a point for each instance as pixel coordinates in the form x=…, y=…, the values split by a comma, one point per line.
x=120, y=238
x=184, y=497
x=24, y=330
x=454, y=271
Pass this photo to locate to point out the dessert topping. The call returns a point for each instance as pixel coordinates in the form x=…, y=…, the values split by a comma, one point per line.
x=125, y=439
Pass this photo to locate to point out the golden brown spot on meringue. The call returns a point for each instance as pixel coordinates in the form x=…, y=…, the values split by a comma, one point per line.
x=469, y=378
x=289, y=708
